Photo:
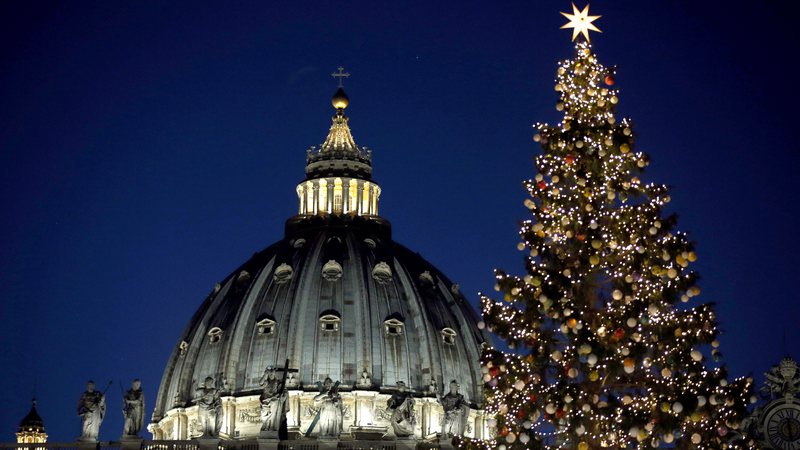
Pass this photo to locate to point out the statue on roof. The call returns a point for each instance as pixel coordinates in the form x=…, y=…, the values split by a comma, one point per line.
x=210, y=407
x=783, y=379
x=401, y=407
x=133, y=409
x=92, y=410
x=273, y=401
x=456, y=410
x=328, y=422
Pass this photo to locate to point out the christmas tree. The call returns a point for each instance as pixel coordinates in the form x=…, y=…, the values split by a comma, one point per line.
x=607, y=344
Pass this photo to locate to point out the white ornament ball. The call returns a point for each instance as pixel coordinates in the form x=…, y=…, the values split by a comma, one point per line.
x=701, y=401
x=591, y=359
x=631, y=322
x=511, y=437
x=524, y=438
x=580, y=429
x=677, y=407
x=519, y=385
x=617, y=294
x=696, y=438
x=556, y=355
x=696, y=355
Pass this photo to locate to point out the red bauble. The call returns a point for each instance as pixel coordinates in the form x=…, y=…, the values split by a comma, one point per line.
x=609, y=79
x=619, y=333
x=521, y=414
x=542, y=185
x=559, y=413
x=570, y=158
x=494, y=371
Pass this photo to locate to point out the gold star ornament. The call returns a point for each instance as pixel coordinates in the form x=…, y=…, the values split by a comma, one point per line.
x=580, y=22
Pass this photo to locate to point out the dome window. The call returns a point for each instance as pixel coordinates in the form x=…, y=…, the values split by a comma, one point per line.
x=183, y=347
x=265, y=326
x=283, y=274
x=382, y=273
x=214, y=335
x=426, y=278
x=329, y=322
x=332, y=270
x=449, y=336
x=394, y=327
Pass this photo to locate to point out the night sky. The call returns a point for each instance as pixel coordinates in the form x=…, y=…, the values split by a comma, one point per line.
x=149, y=148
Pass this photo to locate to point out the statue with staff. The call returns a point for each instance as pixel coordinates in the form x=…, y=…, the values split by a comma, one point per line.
x=273, y=401
x=92, y=410
x=330, y=415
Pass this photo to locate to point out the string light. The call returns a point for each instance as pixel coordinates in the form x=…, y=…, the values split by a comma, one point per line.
x=605, y=353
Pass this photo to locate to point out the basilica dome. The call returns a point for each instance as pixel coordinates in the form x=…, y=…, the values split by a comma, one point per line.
x=335, y=298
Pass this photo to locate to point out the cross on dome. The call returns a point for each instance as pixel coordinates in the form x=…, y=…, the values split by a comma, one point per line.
x=341, y=75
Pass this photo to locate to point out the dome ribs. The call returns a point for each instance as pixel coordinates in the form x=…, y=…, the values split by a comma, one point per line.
x=411, y=348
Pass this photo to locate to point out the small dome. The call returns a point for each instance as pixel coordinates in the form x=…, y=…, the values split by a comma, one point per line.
x=32, y=422
x=340, y=100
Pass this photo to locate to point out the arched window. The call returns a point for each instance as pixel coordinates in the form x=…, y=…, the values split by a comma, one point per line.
x=310, y=209
x=329, y=321
x=302, y=196
x=352, y=197
x=283, y=273
x=449, y=336
x=393, y=326
x=323, y=196
x=337, y=196
x=214, y=335
x=365, y=199
x=382, y=273
x=265, y=326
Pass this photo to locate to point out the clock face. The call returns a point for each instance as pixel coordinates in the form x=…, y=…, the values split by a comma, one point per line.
x=782, y=427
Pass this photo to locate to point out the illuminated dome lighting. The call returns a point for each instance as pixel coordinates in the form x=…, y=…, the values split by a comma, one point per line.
x=338, y=298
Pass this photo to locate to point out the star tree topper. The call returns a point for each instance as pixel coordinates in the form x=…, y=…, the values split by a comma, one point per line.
x=580, y=22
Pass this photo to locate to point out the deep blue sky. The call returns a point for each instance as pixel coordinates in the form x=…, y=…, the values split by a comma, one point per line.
x=148, y=148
